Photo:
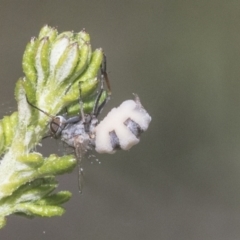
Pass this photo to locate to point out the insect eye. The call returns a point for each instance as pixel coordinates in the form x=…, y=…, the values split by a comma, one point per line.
x=57, y=125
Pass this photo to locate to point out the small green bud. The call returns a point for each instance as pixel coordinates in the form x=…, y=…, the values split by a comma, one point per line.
x=54, y=165
x=28, y=87
x=83, y=61
x=58, y=48
x=87, y=88
x=88, y=79
x=31, y=159
x=8, y=131
x=68, y=34
x=41, y=61
x=83, y=37
x=36, y=193
x=55, y=199
x=7, y=127
x=34, y=190
x=93, y=67
x=45, y=30
x=42, y=211
x=29, y=59
x=67, y=63
x=49, y=32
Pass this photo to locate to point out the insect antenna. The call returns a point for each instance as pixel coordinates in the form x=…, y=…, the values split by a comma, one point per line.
x=47, y=114
x=57, y=123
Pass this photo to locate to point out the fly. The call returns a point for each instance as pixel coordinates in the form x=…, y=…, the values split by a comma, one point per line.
x=120, y=129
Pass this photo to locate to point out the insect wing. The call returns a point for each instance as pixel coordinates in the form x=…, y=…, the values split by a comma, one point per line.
x=80, y=151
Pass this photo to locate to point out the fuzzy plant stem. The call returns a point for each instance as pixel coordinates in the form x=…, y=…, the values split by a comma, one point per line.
x=53, y=65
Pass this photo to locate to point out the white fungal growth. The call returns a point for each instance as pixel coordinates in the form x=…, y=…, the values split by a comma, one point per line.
x=115, y=120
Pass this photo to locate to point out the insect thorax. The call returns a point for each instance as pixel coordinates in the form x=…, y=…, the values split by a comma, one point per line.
x=81, y=132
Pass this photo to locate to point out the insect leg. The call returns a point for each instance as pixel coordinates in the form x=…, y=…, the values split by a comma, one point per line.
x=79, y=151
x=81, y=103
x=104, y=77
x=104, y=74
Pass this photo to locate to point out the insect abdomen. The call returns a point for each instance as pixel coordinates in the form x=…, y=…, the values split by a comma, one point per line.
x=122, y=127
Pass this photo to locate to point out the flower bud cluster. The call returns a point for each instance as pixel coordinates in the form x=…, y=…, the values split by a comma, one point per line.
x=54, y=66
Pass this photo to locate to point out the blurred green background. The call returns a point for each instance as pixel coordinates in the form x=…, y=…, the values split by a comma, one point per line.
x=183, y=59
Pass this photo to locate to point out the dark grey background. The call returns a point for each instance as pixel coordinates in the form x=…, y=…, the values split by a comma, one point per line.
x=183, y=58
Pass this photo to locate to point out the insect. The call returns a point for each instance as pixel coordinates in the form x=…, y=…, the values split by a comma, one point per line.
x=120, y=129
